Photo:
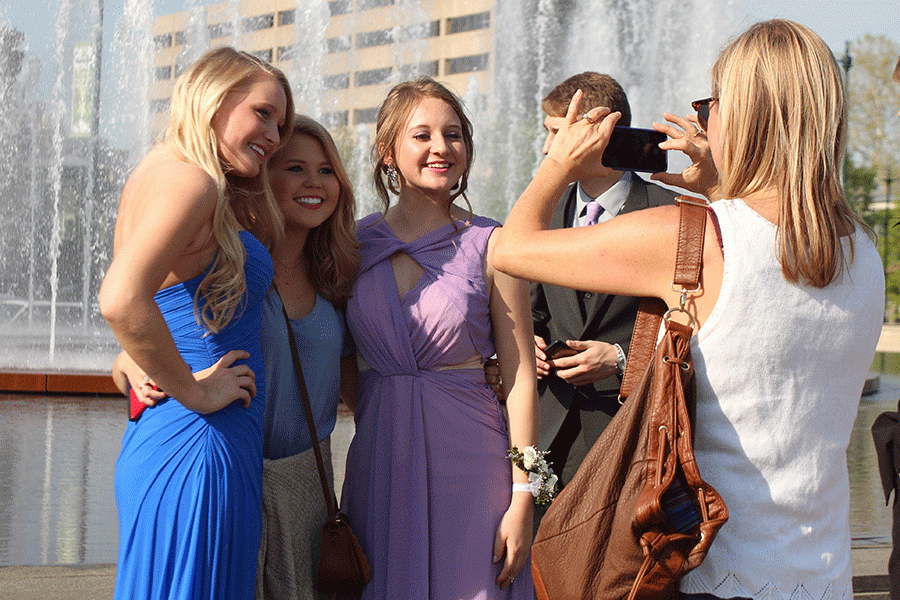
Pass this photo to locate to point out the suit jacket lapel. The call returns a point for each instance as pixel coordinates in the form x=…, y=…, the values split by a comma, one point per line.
x=562, y=217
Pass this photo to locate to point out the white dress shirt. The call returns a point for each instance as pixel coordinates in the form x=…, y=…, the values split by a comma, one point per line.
x=612, y=201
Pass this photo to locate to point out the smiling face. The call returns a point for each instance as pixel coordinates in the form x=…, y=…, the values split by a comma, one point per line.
x=247, y=124
x=304, y=182
x=430, y=153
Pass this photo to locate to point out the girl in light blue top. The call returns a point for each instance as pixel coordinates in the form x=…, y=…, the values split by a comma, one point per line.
x=315, y=263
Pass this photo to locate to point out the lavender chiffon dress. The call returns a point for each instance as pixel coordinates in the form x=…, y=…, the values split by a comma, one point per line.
x=427, y=477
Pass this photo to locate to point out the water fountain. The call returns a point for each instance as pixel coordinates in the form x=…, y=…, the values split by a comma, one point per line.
x=61, y=172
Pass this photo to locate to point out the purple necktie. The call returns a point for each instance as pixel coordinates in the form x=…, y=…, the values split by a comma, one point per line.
x=593, y=213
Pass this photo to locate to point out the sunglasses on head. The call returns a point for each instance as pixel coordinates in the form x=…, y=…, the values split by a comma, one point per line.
x=702, y=108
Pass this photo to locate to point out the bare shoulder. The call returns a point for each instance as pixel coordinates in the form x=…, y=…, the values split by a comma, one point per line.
x=163, y=176
x=165, y=194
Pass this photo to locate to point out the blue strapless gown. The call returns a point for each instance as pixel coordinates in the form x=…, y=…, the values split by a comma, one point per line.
x=189, y=486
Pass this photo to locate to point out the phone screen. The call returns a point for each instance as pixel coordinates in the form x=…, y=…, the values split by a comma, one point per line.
x=633, y=149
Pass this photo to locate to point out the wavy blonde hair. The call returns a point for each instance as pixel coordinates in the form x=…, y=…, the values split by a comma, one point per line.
x=783, y=125
x=392, y=117
x=198, y=95
x=332, y=250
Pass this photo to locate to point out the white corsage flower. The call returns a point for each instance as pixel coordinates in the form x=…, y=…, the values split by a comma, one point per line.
x=541, y=480
x=529, y=457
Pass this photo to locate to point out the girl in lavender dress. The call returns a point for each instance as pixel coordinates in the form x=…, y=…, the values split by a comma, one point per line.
x=428, y=484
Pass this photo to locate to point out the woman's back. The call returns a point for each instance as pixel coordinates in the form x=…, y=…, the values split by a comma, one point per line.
x=780, y=369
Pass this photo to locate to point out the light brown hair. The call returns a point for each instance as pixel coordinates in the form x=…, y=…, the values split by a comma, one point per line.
x=331, y=250
x=392, y=117
x=783, y=125
x=598, y=90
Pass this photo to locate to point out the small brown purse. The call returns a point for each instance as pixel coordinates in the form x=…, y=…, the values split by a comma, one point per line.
x=637, y=515
x=343, y=567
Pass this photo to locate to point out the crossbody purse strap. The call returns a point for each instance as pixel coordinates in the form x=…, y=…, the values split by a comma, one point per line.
x=688, y=265
x=301, y=384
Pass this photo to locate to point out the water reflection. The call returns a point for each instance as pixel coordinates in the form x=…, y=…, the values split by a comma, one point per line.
x=57, y=459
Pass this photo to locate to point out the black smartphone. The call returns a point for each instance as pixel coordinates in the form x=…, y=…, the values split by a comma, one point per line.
x=558, y=349
x=633, y=149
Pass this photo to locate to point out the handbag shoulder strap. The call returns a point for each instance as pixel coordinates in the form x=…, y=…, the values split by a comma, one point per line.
x=688, y=265
x=310, y=420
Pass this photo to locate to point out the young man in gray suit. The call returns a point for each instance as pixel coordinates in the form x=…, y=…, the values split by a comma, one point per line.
x=579, y=393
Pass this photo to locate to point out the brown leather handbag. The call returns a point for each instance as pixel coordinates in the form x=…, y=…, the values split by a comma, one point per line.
x=343, y=567
x=637, y=515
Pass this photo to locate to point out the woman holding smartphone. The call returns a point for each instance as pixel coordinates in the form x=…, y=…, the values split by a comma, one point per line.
x=790, y=306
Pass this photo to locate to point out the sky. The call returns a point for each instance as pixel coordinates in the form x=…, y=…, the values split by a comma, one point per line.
x=837, y=21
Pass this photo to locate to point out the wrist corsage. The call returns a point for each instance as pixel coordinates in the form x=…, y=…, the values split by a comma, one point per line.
x=541, y=480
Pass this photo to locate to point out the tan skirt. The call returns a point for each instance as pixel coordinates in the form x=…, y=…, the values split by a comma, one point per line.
x=293, y=512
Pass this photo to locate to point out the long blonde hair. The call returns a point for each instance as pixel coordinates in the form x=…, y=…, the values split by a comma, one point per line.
x=198, y=94
x=392, y=116
x=331, y=251
x=783, y=125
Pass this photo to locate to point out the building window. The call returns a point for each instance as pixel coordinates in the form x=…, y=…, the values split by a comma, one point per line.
x=286, y=17
x=180, y=38
x=263, y=55
x=341, y=81
x=220, y=30
x=469, y=22
x=429, y=68
x=286, y=53
x=367, y=4
x=365, y=115
x=369, y=39
x=163, y=41
x=372, y=77
x=163, y=73
x=338, y=118
x=258, y=22
x=338, y=44
x=466, y=64
x=339, y=7
x=421, y=31
x=159, y=106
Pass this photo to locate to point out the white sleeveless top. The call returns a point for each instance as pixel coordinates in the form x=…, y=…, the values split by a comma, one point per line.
x=780, y=369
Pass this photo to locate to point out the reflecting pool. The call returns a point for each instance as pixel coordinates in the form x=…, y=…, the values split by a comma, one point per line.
x=57, y=458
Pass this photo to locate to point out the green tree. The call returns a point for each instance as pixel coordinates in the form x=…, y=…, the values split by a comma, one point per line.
x=859, y=186
x=873, y=99
x=874, y=148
